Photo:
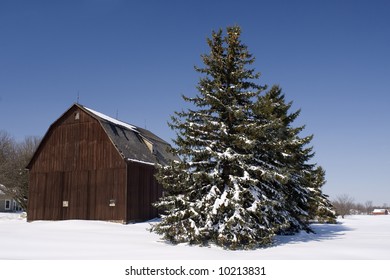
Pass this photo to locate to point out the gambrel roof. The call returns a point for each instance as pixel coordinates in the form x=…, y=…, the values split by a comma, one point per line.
x=133, y=143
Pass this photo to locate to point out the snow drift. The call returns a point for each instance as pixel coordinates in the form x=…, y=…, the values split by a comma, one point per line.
x=353, y=238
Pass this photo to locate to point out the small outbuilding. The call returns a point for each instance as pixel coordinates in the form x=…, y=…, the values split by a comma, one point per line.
x=380, y=212
x=93, y=167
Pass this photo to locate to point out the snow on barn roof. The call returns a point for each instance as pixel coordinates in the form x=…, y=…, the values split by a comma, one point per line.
x=377, y=211
x=112, y=120
x=134, y=144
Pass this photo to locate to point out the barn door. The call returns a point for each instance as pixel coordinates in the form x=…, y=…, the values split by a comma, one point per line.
x=75, y=195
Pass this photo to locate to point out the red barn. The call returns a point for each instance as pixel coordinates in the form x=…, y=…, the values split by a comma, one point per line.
x=93, y=167
x=380, y=212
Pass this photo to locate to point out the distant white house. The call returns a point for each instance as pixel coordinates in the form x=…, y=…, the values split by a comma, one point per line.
x=380, y=212
x=8, y=204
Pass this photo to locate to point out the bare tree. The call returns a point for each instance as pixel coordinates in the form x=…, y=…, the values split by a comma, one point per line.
x=7, y=154
x=7, y=144
x=14, y=158
x=343, y=205
x=369, y=206
x=360, y=208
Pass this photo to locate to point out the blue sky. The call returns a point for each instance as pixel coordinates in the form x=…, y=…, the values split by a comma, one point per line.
x=134, y=59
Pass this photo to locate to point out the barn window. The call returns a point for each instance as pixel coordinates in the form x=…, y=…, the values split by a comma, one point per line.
x=65, y=203
x=112, y=202
x=77, y=116
x=149, y=144
x=7, y=204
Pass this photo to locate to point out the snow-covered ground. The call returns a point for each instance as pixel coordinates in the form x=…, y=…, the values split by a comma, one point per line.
x=354, y=238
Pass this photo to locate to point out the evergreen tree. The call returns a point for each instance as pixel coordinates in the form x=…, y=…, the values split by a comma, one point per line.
x=213, y=194
x=284, y=148
x=245, y=173
x=320, y=208
x=303, y=198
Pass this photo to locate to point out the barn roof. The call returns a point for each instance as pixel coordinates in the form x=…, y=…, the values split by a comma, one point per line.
x=132, y=142
x=379, y=211
x=1, y=192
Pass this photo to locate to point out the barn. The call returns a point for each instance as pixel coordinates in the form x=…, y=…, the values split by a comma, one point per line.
x=380, y=212
x=93, y=167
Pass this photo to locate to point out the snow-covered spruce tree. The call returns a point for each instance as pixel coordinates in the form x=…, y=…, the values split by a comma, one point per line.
x=302, y=195
x=245, y=173
x=320, y=208
x=287, y=151
x=215, y=193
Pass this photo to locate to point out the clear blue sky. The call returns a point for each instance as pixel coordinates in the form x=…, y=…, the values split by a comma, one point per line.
x=136, y=58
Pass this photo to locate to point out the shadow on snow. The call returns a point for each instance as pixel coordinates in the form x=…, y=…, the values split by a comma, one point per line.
x=321, y=232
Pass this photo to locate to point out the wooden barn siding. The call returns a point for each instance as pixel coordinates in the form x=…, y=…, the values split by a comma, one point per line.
x=77, y=145
x=142, y=191
x=77, y=163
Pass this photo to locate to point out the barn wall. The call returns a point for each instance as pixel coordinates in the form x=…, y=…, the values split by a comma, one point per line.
x=77, y=163
x=142, y=191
